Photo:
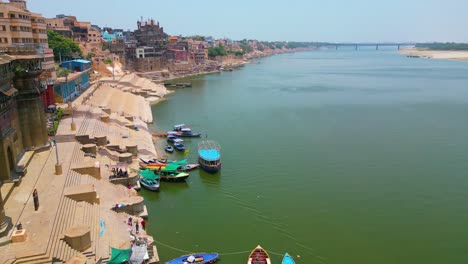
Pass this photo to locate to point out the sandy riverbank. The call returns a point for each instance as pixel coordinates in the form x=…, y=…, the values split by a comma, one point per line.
x=436, y=54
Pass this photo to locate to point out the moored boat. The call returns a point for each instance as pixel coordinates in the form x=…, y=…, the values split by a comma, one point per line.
x=170, y=173
x=178, y=144
x=287, y=259
x=198, y=258
x=152, y=166
x=209, y=156
x=188, y=167
x=149, y=180
x=259, y=256
x=183, y=131
x=168, y=148
x=171, y=138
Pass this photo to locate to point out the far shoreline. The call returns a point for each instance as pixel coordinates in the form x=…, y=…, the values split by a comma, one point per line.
x=435, y=54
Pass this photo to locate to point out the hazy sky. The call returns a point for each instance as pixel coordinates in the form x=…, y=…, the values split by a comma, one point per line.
x=300, y=20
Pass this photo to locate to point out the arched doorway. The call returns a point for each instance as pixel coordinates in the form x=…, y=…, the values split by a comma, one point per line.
x=11, y=160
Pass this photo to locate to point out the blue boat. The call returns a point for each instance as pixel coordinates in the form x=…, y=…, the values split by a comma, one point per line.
x=209, y=156
x=171, y=138
x=183, y=131
x=287, y=259
x=178, y=144
x=169, y=148
x=198, y=258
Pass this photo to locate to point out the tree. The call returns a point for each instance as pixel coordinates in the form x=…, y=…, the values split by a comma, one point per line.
x=63, y=72
x=63, y=47
x=246, y=48
x=198, y=37
x=217, y=51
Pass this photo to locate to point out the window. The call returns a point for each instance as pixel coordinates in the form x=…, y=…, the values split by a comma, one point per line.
x=3, y=28
x=1, y=14
x=12, y=16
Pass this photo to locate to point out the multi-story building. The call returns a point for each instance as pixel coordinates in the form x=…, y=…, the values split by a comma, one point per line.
x=150, y=34
x=94, y=34
x=70, y=27
x=177, y=55
x=20, y=27
x=22, y=122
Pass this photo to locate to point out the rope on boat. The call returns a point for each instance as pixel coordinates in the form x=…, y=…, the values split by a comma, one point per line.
x=320, y=259
x=174, y=248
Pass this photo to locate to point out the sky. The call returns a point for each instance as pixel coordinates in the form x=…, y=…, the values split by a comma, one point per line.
x=286, y=20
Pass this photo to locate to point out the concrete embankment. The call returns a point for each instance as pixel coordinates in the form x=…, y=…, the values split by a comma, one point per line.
x=83, y=212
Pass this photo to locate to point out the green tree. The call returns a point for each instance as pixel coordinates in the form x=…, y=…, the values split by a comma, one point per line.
x=246, y=48
x=62, y=72
x=198, y=37
x=217, y=51
x=63, y=47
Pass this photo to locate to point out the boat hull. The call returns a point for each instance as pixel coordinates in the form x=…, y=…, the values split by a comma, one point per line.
x=287, y=259
x=210, y=169
x=202, y=257
x=259, y=255
x=189, y=135
x=174, y=178
x=189, y=167
x=154, y=188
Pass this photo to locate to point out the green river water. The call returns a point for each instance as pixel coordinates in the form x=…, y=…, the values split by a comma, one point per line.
x=333, y=156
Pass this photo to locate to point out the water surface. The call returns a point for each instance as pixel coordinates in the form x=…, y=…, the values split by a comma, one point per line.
x=334, y=156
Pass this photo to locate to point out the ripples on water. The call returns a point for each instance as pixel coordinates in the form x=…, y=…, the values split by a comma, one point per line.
x=335, y=156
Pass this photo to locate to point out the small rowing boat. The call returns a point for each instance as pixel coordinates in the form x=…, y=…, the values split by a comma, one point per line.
x=259, y=256
x=198, y=258
x=188, y=167
x=149, y=180
x=169, y=149
x=287, y=259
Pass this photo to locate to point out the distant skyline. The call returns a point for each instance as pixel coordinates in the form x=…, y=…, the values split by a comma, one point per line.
x=294, y=20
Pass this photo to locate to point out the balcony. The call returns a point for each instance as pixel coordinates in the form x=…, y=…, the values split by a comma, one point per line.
x=23, y=49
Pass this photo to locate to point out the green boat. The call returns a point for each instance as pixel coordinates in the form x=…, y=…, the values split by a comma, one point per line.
x=170, y=173
x=149, y=180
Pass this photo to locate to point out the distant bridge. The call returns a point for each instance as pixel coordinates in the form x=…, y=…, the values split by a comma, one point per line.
x=376, y=45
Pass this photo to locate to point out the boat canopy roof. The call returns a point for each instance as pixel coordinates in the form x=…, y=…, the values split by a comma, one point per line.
x=119, y=255
x=186, y=129
x=179, y=163
x=148, y=174
x=209, y=154
x=178, y=140
x=170, y=167
x=179, y=126
x=172, y=133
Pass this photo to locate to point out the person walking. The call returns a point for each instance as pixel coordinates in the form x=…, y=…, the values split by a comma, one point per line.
x=137, y=227
x=143, y=224
x=130, y=221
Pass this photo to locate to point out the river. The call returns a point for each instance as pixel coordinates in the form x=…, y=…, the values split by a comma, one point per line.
x=333, y=156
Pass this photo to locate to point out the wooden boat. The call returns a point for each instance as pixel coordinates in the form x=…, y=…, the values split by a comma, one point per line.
x=149, y=180
x=171, y=138
x=168, y=148
x=198, y=258
x=178, y=144
x=170, y=173
x=209, y=156
x=152, y=166
x=152, y=185
x=183, y=131
x=287, y=259
x=146, y=161
x=188, y=167
x=259, y=256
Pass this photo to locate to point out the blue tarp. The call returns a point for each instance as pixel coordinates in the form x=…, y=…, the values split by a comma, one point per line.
x=209, y=154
